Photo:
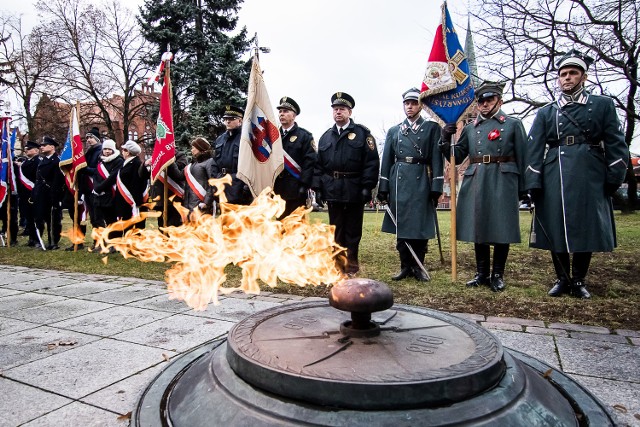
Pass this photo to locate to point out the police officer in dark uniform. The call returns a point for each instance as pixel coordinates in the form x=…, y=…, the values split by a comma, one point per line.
x=411, y=180
x=577, y=160
x=26, y=179
x=345, y=174
x=47, y=193
x=294, y=181
x=227, y=149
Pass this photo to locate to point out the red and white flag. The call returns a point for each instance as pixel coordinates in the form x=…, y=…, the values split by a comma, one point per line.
x=72, y=156
x=261, y=158
x=164, y=150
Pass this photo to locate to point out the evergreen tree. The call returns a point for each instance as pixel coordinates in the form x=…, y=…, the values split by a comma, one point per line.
x=207, y=71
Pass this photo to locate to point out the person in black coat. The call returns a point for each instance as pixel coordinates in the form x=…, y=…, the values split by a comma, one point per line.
x=293, y=183
x=25, y=179
x=131, y=187
x=92, y=153
x=197, y=191
x=345, y=173
x=47, y=193
x=227, y=149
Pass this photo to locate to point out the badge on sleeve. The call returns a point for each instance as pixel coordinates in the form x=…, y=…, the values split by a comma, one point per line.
x=371, y=143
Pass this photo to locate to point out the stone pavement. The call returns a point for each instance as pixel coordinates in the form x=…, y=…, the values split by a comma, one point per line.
x=77, y=349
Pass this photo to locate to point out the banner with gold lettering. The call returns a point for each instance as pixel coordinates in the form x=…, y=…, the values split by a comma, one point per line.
x=447, y=91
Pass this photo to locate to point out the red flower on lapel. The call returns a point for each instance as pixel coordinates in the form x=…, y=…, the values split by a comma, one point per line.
x=494, y=134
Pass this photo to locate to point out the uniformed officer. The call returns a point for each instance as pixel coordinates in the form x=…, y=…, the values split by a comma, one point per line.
x=345, y=174
x=488, y=203
x=26, y=181
x=571, y=184
x=294, y=181
x=47, y=193
x=227, y=149
x=411, y=179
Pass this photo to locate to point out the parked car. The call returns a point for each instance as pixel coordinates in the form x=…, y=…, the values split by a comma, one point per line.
x=621, y=195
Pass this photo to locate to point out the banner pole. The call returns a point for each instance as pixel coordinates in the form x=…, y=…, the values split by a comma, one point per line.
x=452, y=204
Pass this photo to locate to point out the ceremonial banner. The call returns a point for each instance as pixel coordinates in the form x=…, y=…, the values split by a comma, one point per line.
x=5, y=163
x=261, y=158
x=164, y=150
x=447, y=90
x=72, y=156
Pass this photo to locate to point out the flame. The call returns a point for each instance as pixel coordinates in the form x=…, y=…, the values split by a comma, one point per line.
x=74, y=234
x=290, y=250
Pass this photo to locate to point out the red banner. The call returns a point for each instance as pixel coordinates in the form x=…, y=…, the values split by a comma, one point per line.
x=72, y=156
x=164, y=150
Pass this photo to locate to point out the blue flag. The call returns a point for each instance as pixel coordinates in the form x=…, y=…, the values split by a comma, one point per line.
x=447, y=90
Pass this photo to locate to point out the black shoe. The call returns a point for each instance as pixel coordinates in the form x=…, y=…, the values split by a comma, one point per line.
x=31, y=243
x=579, y=289
x=478, y=280
x=53, y=247
x=70, y=248
x=419, y=274
x=560, y=287
x=497, y=283
x=405, y=272
x=24, y=232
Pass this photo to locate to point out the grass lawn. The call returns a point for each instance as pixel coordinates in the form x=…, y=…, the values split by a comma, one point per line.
x=613, y=280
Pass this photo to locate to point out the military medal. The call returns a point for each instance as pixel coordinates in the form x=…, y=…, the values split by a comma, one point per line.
x=493, y=135
x=293, y=138
x=351, y=136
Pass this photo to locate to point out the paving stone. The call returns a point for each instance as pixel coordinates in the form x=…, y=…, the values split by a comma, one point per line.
x=162, y=303
x=112, y=321
x=21, y=403
x=634, y=341
x=547, y=331
x=6, y=292
x=123, y=295
x=599, y=359
x=270, y=299
x=81, y=288
x=234, y=309
x=627, y=333
x=309, y=299
x=240, y=295
x=580, y=328
x=9, y=326
x=79, y=414
x=502, y=326
x=57, y=311
x=620, y=397
x=7, y=279
x=33, y=344
x=177, y=333
x=123, y=396
x=599, y=337
x=25, y=300
x=469, y=316
x=539, y=346
x=89, y=368
x=41, y=283
x=515, y=321
x=287, y=296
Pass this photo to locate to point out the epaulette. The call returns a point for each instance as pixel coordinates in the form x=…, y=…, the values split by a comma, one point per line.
x=363, y=127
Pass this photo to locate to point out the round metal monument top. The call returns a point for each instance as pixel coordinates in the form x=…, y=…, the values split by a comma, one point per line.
x=421, y=358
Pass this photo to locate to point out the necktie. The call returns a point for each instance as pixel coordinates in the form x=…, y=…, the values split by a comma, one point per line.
x=339, y=131
x=284, y=133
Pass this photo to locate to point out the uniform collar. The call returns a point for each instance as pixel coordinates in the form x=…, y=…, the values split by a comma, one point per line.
x=500, y=116
x=580, y=97
x=407, y=126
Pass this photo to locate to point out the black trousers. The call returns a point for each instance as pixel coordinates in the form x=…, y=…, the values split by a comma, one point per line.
x=347, y=218
x=419, y=246
x=567, y=268
x=292, y=205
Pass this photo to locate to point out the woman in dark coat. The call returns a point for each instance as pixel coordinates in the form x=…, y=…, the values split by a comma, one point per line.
x=197, y=191
x=131, y=187
x=104, y=183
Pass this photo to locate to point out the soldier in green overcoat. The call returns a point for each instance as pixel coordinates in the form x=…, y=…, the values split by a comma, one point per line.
x=492, y=185
x=411, y=178
x=577, y=159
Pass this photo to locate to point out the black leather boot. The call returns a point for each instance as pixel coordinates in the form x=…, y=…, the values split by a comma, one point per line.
x=560, y=287
x=580, y=265
x=500, y=253
x=404, y=272
x=419, y=274
x=579, y=289
x=481, y=278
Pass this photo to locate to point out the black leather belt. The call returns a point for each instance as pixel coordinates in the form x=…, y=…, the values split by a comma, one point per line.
x=413, y=160
x=571, y=140
x=338, y=174
x=487, y=158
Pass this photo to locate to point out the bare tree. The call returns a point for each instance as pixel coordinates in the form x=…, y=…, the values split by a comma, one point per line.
x=520, y=40
x=103, y=61
x=29, y=60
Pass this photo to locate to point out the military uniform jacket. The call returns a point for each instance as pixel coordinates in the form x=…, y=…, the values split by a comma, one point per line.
x=49, y=185
x=488, y=202
x=299, y=145
x=227, y=150
x=409, y=184
x=575, y=214
x=28, y=170
x=347, y=164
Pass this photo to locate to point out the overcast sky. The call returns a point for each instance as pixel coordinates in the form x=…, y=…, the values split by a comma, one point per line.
x=373, y=50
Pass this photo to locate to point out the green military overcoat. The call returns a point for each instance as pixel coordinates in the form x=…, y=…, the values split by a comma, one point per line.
x=488, y=202
x=573, y=164
x=409, y=184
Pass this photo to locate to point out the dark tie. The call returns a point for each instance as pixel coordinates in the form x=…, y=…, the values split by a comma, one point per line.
x=339, y=131
x=284, y=133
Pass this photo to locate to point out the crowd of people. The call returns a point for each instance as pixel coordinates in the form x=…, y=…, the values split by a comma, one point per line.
x=569, y=165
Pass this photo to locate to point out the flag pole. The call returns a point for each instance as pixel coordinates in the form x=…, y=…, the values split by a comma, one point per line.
x=165, y=186
x=75, y=182
x=9, y=189
x=452, y=204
